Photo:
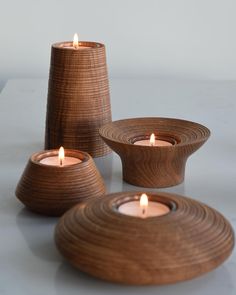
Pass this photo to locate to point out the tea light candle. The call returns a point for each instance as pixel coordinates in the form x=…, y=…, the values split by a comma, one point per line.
x=153, y=142
x=60, y=160
x=76, y=45
x=143, y=208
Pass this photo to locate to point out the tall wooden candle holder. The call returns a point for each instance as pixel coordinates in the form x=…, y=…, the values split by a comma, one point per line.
x=78, y=98
x=52, y=190
x=154, y=166
x=192, y=239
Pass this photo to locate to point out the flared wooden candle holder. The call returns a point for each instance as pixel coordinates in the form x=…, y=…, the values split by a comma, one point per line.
x=78, y=98
x=192, y=239
x=52, y=190
x=154, y=166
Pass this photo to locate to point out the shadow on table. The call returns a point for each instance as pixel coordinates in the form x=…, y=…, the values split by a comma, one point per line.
x=105, y=166
x=69, y=280
x=38, y=232
x=178, y=189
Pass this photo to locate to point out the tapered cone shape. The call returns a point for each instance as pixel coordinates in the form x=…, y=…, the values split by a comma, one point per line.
x=52, y=190
x=78, y=98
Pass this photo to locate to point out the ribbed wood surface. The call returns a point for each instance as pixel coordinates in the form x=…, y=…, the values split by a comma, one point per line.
x=78, y=99
x=149, y=166
x=52, y=190
x=189, y=241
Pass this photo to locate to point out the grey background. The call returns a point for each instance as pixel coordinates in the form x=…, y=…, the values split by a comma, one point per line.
x=193, y=39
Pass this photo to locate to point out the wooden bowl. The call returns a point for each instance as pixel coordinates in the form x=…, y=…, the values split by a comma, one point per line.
x=52, y=190
x=78, y=101
x=191, y=240
x=154, y=166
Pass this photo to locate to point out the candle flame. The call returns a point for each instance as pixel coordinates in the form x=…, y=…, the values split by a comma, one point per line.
x=144, y=200
x=61, y=155
x=76, y=41
x=152, y=139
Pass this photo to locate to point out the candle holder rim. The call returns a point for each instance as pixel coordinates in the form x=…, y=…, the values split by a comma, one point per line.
x=153, y=118
x=171, y=147
x=161, y=136
x=90, y=44
x=152, y=197
x=38, y=156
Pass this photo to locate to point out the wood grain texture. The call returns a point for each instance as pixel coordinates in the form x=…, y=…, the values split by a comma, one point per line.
x=78, y=99
x=149, y=166
x=189, y=241
x=52, y=190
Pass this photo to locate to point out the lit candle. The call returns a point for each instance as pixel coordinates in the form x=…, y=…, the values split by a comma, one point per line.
x=60, y=160
x=144, y=204
x=76, y=41
x=153, y=142
x=75, y=44
x=143, y=208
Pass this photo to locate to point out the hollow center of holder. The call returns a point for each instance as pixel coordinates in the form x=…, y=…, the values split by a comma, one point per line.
x=56, y=161
x=69, y=45
x=144, y=208
x=154, y=140
x=81, y=45
x=58, y=158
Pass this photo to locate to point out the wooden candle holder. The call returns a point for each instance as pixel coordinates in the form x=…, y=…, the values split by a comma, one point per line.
x=191, y=240
x=154, y=166
x=78, y=98
x=52, y=190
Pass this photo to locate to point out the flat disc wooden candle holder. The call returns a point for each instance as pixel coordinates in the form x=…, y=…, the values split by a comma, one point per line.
x=154, y=166
x=78, y=98
x=52, y=190
x=192, y=239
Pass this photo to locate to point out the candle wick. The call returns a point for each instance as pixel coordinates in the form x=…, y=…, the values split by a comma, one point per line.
x=60, y=162
x=144, y=211
x=76, y=45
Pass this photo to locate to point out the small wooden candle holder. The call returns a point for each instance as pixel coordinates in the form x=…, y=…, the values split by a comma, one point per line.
x=78, y=98
x=52, y=190
x=192, y=239
x=154, y=166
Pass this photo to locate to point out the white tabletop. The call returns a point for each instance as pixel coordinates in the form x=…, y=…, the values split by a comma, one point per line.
x=29, y=261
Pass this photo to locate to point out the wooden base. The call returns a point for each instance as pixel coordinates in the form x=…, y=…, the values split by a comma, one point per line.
x=187, y=242
x=78, y=98
x=52, y=190
x=154, y=166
